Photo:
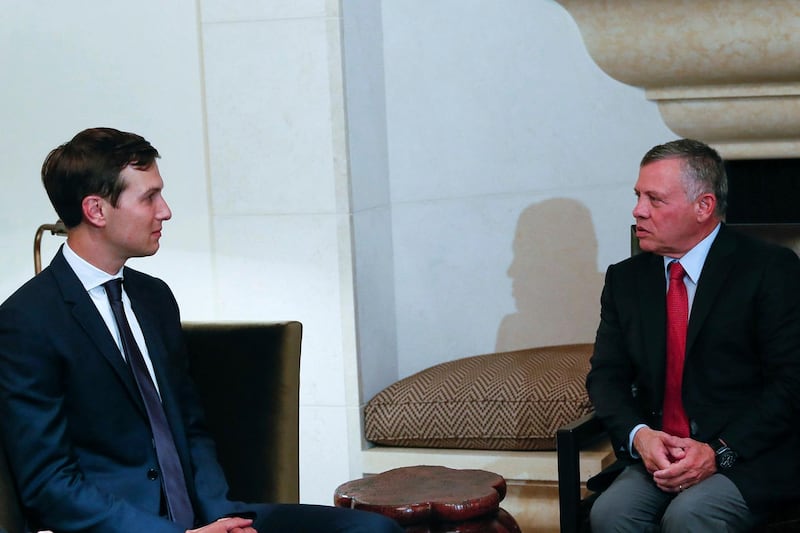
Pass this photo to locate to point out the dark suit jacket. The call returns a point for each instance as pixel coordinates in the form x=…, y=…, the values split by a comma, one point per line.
x=73, y=422
x=742, y=369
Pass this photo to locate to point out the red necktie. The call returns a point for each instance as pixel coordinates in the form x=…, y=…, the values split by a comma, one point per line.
x=675, y=421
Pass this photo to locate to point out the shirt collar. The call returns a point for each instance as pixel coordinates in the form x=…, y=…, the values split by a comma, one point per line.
x=693, y=261
x=89, y=275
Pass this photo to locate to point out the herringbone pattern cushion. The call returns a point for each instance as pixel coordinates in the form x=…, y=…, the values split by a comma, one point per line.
x=502, y=401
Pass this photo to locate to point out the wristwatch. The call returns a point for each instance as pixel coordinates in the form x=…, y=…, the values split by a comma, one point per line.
x=725, y=457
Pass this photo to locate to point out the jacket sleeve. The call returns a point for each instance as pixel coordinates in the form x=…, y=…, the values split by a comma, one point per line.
x=612, y=375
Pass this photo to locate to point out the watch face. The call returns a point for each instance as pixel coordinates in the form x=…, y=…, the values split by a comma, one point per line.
x=726, y=458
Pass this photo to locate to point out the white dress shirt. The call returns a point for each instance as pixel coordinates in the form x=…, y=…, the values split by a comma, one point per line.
x=92, y=279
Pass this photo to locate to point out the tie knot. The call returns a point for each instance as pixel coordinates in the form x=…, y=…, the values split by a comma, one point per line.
x=676, y=270
x=114, y=289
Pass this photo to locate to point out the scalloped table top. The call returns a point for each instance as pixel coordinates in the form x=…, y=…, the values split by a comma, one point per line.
x=427, y=494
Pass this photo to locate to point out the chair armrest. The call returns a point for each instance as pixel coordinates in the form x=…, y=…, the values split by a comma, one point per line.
x=569, y=441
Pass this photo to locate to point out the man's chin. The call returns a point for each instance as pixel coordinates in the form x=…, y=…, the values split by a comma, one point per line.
x=147, y=253
x=646, y=245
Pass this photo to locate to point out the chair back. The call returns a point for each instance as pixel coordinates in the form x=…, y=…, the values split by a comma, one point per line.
x=248, y=378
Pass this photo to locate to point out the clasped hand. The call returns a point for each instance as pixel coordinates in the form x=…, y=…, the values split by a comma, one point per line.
x=676, y=463
x=227, y=525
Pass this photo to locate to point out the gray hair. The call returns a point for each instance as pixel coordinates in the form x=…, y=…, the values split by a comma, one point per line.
x=703, y=170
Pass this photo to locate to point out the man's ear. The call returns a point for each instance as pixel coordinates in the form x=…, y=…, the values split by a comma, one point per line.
x=94, y=208
x=705, y=204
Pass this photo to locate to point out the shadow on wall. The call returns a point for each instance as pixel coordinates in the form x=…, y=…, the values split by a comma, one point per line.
x=556, y=284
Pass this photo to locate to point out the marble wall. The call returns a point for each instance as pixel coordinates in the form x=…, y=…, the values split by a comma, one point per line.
x=517, y=155
x=74, y=65
x=280, y=204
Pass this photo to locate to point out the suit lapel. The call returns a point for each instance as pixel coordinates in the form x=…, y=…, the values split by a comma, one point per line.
x=712, y=278
x=89, y=319
x=651, y=284
x=148, y=309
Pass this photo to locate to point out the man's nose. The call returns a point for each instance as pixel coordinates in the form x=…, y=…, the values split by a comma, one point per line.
x=639, y=210
x=165, y=212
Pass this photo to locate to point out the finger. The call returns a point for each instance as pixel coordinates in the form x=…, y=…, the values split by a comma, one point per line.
x=672, y=486
x=675, y=474
x=658, y=462
x=668, y=488
x=677, y=442
x=233, y=523
x=677, y=453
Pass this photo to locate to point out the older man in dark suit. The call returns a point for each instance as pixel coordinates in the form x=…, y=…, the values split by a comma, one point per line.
x=102, y=426
x=696, y=368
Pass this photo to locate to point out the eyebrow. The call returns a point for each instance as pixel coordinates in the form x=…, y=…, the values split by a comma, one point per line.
x=150, y=191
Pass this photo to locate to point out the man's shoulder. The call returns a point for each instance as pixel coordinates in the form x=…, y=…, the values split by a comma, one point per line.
x=756, y=248
x=635, y=262
x=37, y=290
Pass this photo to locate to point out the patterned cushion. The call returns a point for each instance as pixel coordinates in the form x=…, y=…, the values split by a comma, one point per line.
x=502, y=401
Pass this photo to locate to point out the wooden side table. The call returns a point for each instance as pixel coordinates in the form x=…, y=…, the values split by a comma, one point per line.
x=433, y=499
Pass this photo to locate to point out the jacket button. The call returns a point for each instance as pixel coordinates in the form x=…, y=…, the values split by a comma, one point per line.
x=152, y=474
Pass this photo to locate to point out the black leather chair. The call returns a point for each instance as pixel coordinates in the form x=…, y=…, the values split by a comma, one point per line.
x=261, y=364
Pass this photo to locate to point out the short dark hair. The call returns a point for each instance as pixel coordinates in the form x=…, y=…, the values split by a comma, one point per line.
x=703, y=169
x=91, y=164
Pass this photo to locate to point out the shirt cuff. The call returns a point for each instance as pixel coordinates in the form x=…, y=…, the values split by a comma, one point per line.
x=632, y=434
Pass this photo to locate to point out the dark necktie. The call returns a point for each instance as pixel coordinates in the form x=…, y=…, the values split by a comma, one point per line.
x=172, y=478
x=675, y=421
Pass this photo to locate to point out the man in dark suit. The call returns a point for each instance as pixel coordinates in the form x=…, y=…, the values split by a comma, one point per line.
x=84, y=449
x=710, y=434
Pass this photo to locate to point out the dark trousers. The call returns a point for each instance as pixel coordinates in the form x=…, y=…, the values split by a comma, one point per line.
x=633, y=503
x=301, y=518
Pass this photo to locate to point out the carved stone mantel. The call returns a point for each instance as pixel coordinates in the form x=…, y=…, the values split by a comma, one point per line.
x=723, y=71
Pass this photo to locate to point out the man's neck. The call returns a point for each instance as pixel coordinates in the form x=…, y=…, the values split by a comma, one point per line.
x=87, y=246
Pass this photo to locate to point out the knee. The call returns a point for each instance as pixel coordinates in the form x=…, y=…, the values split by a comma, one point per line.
x=683, y=513
x=621, y=513
x=601, y=516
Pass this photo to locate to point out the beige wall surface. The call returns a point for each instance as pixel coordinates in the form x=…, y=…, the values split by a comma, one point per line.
x=72, y=65
x=512, y=159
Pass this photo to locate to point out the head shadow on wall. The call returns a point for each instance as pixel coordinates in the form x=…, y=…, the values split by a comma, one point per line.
x=556, y=285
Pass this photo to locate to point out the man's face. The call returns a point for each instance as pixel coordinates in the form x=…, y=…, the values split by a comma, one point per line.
x=666, y=220
x=133, y=227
